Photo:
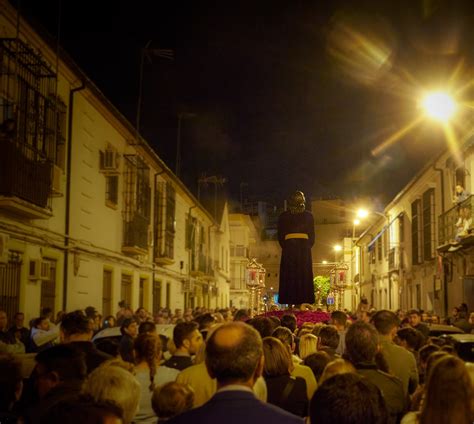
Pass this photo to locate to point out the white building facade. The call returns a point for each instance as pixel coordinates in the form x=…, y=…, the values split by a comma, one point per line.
x=89, y=214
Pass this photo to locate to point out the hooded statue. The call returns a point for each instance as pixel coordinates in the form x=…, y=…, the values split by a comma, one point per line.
x=296, y=238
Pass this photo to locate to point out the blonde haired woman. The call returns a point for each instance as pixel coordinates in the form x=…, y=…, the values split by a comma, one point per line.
x=115, y=384
x=308, y=345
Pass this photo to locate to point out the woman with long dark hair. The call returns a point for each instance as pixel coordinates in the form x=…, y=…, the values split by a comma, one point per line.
x=149, y=373
x=449, y=395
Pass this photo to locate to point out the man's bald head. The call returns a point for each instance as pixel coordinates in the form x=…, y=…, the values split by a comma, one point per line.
x=233, y=353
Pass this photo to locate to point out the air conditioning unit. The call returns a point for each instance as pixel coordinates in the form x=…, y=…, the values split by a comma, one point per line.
x=109, y=160
x=57, y=180
x=4, y=248
x=39, y=270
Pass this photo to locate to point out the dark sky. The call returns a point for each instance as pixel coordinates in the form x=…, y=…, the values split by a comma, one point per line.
x=287, y=94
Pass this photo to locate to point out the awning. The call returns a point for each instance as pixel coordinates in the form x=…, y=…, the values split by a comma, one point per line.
x=371, y=245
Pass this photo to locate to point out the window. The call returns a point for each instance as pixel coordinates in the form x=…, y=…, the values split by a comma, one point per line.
x=111, y=190
x=428, y=224
x=416, y=232
x=379, y=248
x=385, y=243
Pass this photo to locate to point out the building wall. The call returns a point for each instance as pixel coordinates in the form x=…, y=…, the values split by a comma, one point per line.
x=95, y=240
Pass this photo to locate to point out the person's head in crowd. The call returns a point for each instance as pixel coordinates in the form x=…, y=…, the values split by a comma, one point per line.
x=339, y=319
x=41, y=323
x=172, y=399
x=47, y=313
x=410, y=339
x=110, y=321
x=435, y=319
x=276, y=321
x=234, y=355
x=455, y=313
x=348, y=399
x=187, y=337
x=147, y=327
x=112, y=383
x=308, y=345
x=83, y=410
x=11, y=382
x=129, y=327
x=59, y=365
x=205, y=322
x=449, y=393
x=19, y=320
x=386, y=323
x=277, y=358
x=425, y=316
x=90, y=312
x=471, y=319
x=361, y=343
x=328, y=337
x=3, y=321
x=338, y=366
x=414, y=317
x=141, y=313
x=147, y=348
x=317, y=362
x=263, y=325
x=423, y=355
x=289, y=321
x=241, y=315
x=430, y=361
x=286, y=336
x=75, y=327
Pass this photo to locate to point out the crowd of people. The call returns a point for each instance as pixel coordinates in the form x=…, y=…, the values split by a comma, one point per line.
x=223, y=365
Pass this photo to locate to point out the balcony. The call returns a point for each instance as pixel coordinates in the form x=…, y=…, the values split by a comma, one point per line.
x=25, y=183
x=394, y=259
x=455, y=227
x=135, y=236
x=201, y=267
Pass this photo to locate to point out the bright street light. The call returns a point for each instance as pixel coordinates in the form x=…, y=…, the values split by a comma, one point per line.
x=362, y=213
x=325, y=262
x=356, y=221
x=337, y=248
x=439, y=105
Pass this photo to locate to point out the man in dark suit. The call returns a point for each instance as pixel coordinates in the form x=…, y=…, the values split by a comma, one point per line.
x=234, y=357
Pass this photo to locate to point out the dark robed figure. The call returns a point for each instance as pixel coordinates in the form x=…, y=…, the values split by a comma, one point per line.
x=296, y=237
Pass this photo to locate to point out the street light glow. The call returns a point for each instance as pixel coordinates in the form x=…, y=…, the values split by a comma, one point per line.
x=325, y=262
x=362, y=213
x=439, y=105
x=356, y=221
x=337, y=247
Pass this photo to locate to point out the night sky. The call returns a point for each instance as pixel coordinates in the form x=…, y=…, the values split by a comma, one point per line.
x=287, y=94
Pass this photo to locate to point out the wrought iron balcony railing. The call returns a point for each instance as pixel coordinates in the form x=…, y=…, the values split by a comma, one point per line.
x=456, y=223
